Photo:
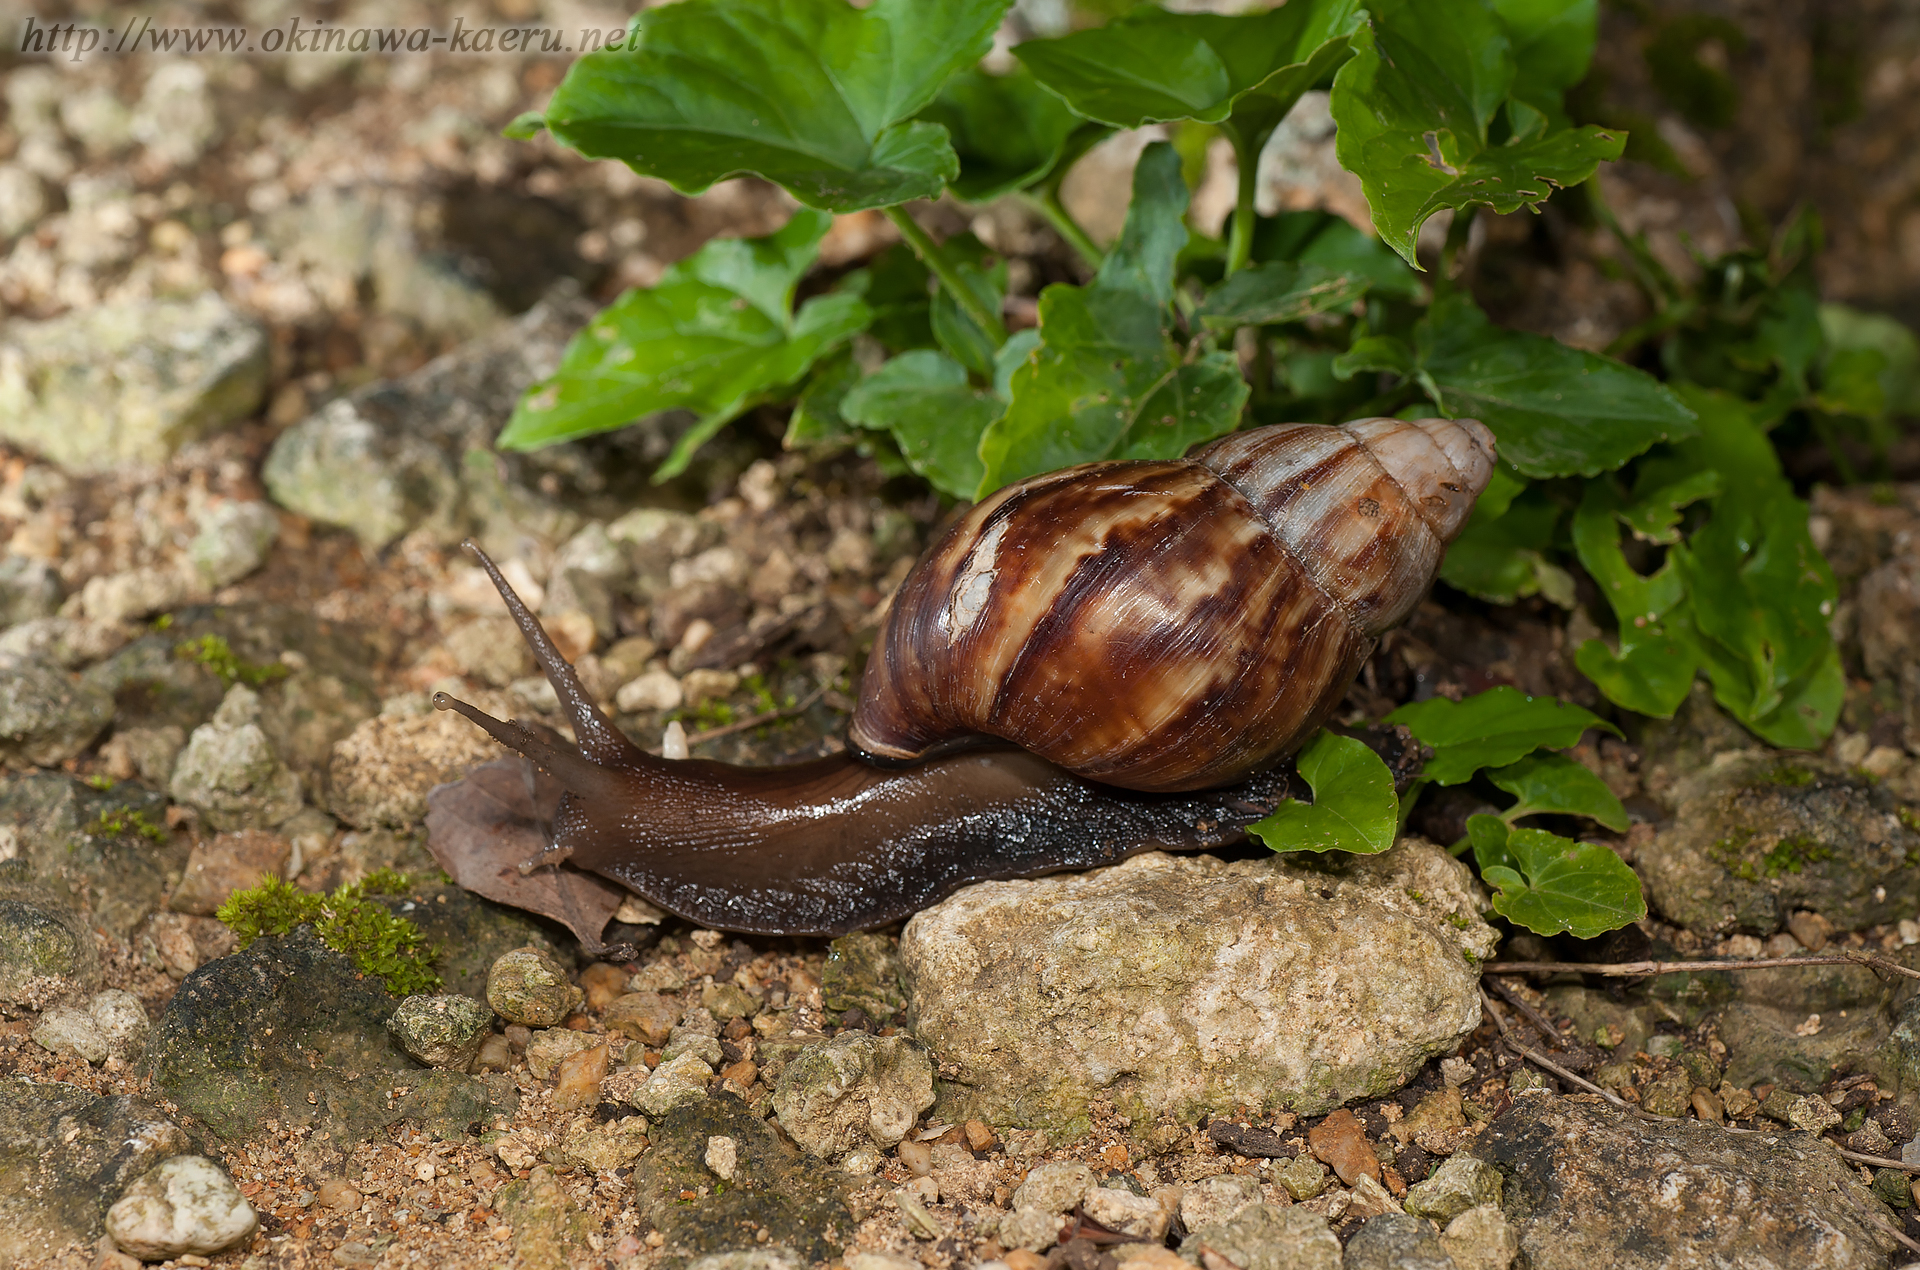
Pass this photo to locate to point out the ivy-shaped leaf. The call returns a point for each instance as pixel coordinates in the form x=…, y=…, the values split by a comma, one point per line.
x=714, y=336
x=1553, y=784
x=1492, y=729
x=1415, y=106
x=1008, y=131
x=1353, y=808
x=1108, y=381
x=815, y=95
x=924, y=399
x=1552, y=885
x=1278, y=291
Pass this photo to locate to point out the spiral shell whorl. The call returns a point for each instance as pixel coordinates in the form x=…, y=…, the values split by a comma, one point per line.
x=1171, y=625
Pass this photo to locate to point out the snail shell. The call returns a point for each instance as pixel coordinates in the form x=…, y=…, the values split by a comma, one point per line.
x=1175, y=625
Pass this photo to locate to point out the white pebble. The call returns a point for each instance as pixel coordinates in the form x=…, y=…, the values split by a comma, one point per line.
x=186, y=1204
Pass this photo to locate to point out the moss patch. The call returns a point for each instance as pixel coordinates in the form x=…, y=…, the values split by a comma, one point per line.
x=213, y=652
x=378, y=942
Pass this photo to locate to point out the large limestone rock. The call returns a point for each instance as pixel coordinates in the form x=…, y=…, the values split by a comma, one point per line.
x=1184, y=985
x=129, y=383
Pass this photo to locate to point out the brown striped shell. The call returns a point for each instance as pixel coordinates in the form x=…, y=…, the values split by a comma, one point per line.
x=1171, y=625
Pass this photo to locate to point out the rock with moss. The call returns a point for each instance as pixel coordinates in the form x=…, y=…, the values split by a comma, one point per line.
x=348, y=920
x=229, y=772
x=289, y=1030
x=65, y=1156
x=469, y=933
x=46, y=951
x=774, y=1187
x=527, y=986
x=441, y=1029
x=1757, y=835
x=129, y=383
x=1587, y=1185
x=46, y=714
x=544, y=1219
x=863, y=973
x=106, y=852
x=1180, y=985
x=856, y=1092
x=1263, y=1237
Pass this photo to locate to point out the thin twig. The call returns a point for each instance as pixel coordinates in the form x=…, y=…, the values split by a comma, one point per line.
x=1878, y=1161
x=1635, y=969
x=764, y=717
x=1548, y=1032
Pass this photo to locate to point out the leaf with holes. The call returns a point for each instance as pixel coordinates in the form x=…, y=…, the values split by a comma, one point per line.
x=1415, y=107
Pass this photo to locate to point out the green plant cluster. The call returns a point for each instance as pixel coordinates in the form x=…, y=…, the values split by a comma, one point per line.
x=213, y=652
x=390, y=948
x=1651, y=469
x=118, y=822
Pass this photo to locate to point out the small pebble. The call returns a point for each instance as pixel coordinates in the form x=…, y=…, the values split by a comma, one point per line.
x=1340, y=1142
x=495, y=1055
x=918, y=1157
x=603, y=984
x=341, y=1196
x=528, y=987
x=186, y=1204
x=578, y=1082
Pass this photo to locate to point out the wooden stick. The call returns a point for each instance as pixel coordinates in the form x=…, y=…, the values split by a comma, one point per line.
x=1635, y=969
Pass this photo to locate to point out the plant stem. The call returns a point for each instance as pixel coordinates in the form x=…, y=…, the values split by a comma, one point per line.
x=1240, y=236
x=936, y=260
x=1055, y=213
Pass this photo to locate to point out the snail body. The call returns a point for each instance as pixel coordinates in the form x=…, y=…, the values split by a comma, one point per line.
x=1091, y=663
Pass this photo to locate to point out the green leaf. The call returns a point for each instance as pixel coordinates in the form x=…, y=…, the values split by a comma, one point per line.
x=1553, y=784
x=1353, y=808
x=815, y=95
x=816, y=418
x=525, y=126
x=1414, y=106
x=1552, y=42
x=1008, y=131
x=1762, y=594
x=1654, y=516
x=1501, y=554
x=955, y=332
x=1278, y=292
x=1552, y=885
x=1152, y=66
x=714, y=337
x=1555, y=410
x=1386, y=353
x=1492, y=729
x=1849, y=329
x=1108, y=381
x=924, y=399
x=1654, y=664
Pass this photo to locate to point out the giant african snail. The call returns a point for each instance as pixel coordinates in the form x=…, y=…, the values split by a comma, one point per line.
x=1155, y=637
